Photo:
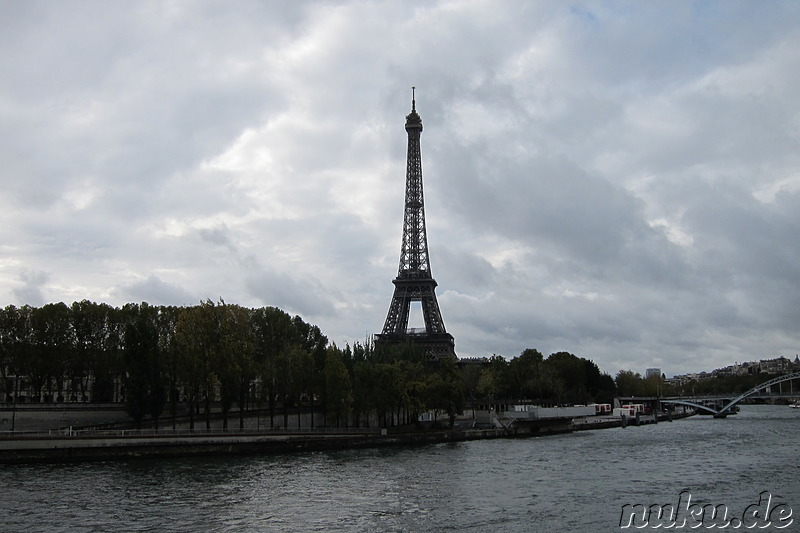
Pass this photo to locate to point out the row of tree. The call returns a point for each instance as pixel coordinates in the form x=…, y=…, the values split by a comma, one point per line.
x=161, y=359
x=561, y=378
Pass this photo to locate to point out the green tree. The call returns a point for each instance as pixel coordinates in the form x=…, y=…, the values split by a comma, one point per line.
x=310, y=377
x=387, y=390
x=90, y=323
x=50, y=342
x=629, y=383
x=167, y=323
x=525, y=375
x=145, y=392
x=415, y=387
x=471, y=374
x=272, y=331
x=569, y=377
x=606, y=389
x=338, y=390
x=364, y=393
x=493, y=382
x=9, y=347
x=652, y=386
x=448, y=390
x=106, y=363
x=234, y=367
x=197, y=341
x=288, y=376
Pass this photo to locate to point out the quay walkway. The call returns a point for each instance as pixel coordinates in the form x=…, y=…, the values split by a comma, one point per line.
x=79, y=445
x=68, y=445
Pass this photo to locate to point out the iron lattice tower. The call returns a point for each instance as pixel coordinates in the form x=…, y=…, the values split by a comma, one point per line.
x=414, y=281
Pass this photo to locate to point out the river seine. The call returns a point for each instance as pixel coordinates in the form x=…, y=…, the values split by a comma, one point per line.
x=574, y=482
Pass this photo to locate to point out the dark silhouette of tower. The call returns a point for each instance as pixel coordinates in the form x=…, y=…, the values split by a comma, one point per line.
x=414, y=282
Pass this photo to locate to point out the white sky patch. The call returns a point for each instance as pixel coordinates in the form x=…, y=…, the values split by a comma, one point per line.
x=503, y=256
x=767, y=193
x=169, y=227
x=474, y=122
x=81, y=197
x=248, y=153
x=673, y=232
x=270, y=182
x=358, y=192
x=662, y=118
x=532, y=60
x=567, y=292
x=759, y=75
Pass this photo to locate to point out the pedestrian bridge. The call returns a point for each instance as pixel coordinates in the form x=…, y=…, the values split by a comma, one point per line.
x=726, y=409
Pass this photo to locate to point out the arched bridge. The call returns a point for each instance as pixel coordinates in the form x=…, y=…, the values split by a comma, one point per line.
x=726, y=409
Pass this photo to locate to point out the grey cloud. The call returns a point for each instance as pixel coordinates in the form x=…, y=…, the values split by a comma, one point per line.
x=31, y=291
x=590, y=169
x=305, y=297
x=156, y=292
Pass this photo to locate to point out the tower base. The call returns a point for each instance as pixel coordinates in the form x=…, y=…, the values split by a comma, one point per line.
x=437, y=346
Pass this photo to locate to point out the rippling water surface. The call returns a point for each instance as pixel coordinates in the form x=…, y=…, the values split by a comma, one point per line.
x=575, y=482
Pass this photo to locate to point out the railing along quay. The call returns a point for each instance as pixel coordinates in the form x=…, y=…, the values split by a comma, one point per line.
x=169, y=432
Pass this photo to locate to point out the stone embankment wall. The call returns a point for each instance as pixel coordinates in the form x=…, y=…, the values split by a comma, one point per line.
x=66, y=448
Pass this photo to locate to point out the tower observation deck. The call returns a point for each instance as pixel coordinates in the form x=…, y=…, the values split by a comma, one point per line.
x=414, y=281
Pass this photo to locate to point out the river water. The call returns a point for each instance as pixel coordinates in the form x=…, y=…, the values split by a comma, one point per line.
x=574, y=482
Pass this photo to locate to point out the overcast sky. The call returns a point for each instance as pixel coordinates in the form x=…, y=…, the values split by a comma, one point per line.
x=620, y=180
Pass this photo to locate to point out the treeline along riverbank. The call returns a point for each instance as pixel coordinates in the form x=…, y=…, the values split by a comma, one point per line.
x=162, y=361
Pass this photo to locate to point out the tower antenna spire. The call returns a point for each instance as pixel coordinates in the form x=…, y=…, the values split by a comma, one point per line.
x=413, y=99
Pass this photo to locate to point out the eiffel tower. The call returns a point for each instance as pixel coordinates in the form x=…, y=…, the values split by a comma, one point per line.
x=414, y=282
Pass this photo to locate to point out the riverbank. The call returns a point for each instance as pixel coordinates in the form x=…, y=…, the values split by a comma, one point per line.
x=85, y=446
x=571, y=482
x=69, y=446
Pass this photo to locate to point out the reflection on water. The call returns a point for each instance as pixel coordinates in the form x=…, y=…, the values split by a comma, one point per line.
x=564, y=482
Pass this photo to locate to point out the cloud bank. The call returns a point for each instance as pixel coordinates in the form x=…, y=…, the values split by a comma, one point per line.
x=619, y=180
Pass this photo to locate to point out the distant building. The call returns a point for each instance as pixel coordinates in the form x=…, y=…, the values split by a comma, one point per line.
x=775, y=366
x=779, y=365
x=652, y=372
x=733, y=370
x=686, y=378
